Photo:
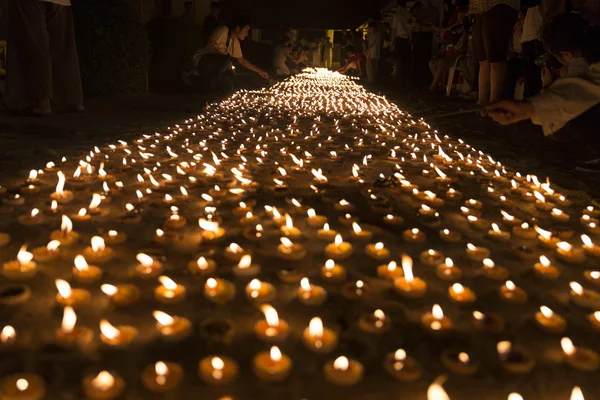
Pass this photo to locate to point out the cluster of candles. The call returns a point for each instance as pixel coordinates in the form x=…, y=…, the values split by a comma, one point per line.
x=199, y=189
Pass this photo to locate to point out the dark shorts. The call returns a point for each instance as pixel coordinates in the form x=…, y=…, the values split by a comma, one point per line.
x=493, y=32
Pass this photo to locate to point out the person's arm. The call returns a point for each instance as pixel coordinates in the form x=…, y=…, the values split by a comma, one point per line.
x=508, y=112
x=247, y=64
x=211, y=47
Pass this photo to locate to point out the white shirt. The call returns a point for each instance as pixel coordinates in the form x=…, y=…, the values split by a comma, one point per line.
x=220, y=36
x=566, y=99
x=532, y=24
x=59, y=2
x=400, y=27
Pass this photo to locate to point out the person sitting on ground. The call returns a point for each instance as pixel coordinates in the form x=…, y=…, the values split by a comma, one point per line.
x=354, y=63
x=212, y=64
x=568, y=102
x=281, y=58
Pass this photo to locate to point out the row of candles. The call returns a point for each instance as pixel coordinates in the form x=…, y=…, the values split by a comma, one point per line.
x=423, y=151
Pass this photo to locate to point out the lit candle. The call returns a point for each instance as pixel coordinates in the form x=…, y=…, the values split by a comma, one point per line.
x=509, y=219
x=169, y=292
x=583, y=297
x=376, y=322
x=289, y=229
x=569, y=254
x=85, y=273
x=592, y=276
x=103, y=386
x=172, y=328
x=594, y=319
x=339, y=250
x=487, y=322
x=590, y=248
x=203, y=266
x=121, y=295
x=68, y=296
x=343, y=371
x=514, y=358
x=402, y=367
x=315, y=220
x=258, y=291
x=311, y=295
x=355, y=290
x=435, y=321
x=98, y=253
x=218, y=370
x=60, y=194
x=66, y=235
x=22, y=268
x=461, y=294
x=549, y=321
x=578, y=357
x=290, y=251
x=326, y=233
x=211, y=231
x=219, y=291
x=524, y=231
x=69, y=334
x=33, y=218
x=447, y=271
x=390, y=271
x=377, y=251
x=271, y=329
x=497, y=234
x=272, y=366
x=333, y=272
x=511, y=293
x=318, y=338
x=546, y=239
x=162, y=377
x=545, y=269
x=148, y=267
x=476, y=253
x=359, y=234
x=431, y=257
x=23, y=387
x=559, y=215
x=450, y=236
x=409, y=286
x=413, y=236
x=117, y=336
x=459, y=363
x=393, y=220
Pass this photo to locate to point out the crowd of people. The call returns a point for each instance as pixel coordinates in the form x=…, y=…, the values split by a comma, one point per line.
x=550, y=49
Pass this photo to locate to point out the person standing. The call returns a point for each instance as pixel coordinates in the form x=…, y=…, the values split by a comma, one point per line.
x=327, y=48
x=211, y=21
x=400, y=42
x=42, y=65
x=427, y=19
x=532, y=48
x=372, y=53
x=492, y=34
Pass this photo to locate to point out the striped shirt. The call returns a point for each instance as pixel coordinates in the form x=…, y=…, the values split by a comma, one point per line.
x=481, y=6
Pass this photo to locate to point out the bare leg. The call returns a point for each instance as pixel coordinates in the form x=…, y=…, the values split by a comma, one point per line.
x=484, y=83
x=498, y=78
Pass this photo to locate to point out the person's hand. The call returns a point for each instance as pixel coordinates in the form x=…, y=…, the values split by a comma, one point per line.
x=547, y=77
x=264, y=74
x=508, y=112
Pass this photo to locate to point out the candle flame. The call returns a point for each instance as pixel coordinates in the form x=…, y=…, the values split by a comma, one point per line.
x=275, y=353
x=66, y=225
x=463, y=358
x=63, y=288
x=69, y=320
x=437, y=312
x=504, y=347
x=587, y=241
x=577, y=288
x=97, y=244
x=577, y=394
x=217, y=363
x=341, y=363
x=315, y=327
x=80, y=263
x=108, y=330
x=245, y=262
x=271, y=315
x=96, y=200
x=435, y=391
x=163, y=318
x=515, y=396
x=109, y=290
x=400, y=355
x=23, y=256
x=458, y=288
x=168, y=283
x=407, y=264
x=286, y=242
x=145, y=259
x=8, y=334
x=103, y=381
x=567, y=346
x=379, y=246
x=60, y=186
x=22, y=384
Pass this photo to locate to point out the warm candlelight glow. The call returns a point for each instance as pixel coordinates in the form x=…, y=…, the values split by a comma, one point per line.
x=69, y=320
x=108, y=330
x=407, y=268
x=275, y=354
x=63, y=288
x=163, y=318
x=341, y=364
x=23, y=256
x=98, y=244
x=103, y=381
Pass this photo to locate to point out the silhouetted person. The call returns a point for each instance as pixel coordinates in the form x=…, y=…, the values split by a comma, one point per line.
x=211, y=21
x=188, y=15
x=42, y=65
